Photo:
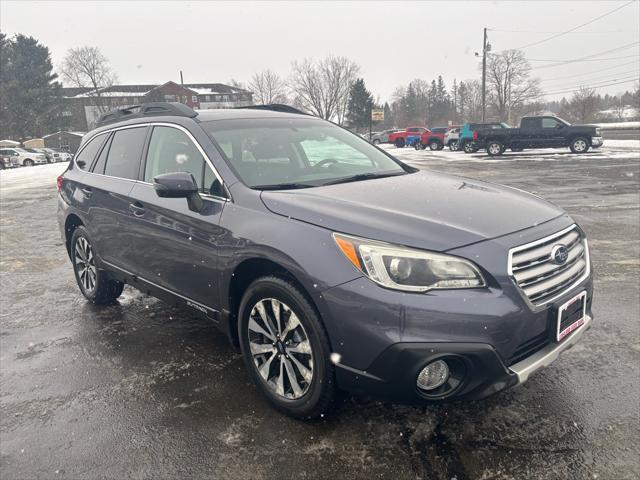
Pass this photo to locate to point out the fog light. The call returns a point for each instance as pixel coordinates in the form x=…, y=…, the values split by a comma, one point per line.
x=433, y=375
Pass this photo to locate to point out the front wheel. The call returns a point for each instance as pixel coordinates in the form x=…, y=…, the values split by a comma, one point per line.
x=579, y=145
x=453, y=146
x=495, y=149
x=285, y=348
x=376, y=141
x=28, y=163
x=434, y=145
x=94, y=283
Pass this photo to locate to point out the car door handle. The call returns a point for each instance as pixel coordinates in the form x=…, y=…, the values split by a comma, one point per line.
x=87, y=192
x=137, y=209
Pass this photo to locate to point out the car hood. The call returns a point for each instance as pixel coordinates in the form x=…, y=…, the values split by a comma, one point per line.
x=425, y=210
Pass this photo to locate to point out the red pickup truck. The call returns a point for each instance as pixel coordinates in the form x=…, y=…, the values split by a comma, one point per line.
x=400, y=139
x=434, y=138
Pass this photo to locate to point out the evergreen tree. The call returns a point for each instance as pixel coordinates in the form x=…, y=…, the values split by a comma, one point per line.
x=360, y=103
x=30, y=96
x=388, y=117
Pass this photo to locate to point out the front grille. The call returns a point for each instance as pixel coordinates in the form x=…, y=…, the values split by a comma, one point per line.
x=528, y=348
x=537, y=274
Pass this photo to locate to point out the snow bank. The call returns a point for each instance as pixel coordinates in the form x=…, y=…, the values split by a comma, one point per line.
x=619, y=125
x=40, y=176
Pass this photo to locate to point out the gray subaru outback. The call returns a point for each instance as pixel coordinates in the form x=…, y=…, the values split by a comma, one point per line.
x=328, y=262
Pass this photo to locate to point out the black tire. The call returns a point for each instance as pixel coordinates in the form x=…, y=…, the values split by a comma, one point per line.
x=376, y=141
x=104, y=290
x=495, y=149
x=320, y=392
x=419, y=146
x=580, y=145
x=434, y=145
x=28, y=163
x=468, y=147
x=399, y=143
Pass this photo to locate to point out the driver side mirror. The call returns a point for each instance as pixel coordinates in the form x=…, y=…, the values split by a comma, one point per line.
x=179, y=185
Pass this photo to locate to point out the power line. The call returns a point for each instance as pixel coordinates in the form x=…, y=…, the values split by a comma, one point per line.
x=591, y=86
x=601, y=32
x=591, y=71
x=575, y=28
x=606, y=78
x=588, y=57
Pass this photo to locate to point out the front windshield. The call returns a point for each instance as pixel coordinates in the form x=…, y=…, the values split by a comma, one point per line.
x=297, y=152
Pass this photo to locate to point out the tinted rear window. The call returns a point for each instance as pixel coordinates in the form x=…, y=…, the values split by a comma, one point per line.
x=85, y=158
x=123, y=160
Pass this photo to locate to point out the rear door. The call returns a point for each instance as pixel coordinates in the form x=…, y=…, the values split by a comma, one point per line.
x=177, y=248
x=107, y=186
x=531, y=134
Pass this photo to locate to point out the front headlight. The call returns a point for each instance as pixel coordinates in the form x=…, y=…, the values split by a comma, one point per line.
x=408, y=269
x=598, y=132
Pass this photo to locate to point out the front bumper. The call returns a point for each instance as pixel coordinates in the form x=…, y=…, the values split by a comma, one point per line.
x=597, y=141
x=393, y=375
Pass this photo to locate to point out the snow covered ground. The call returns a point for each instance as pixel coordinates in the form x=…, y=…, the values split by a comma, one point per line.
x=30, y=177
x=612, y=149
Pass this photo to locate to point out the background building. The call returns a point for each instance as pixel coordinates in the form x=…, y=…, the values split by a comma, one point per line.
x=82, y=107
x=65, y=141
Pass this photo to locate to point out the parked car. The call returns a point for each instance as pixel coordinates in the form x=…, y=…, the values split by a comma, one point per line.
x=399, y=138
x=330, y=263
x=451, y=138
x=58, y=155
x=24, y=157
x=8, y=160
x=434, y=139
x=466, y=140
x=382, y=137
x=539, y=132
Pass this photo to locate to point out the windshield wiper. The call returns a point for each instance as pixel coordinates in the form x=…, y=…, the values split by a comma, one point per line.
x=363, y=176
x=283, y=186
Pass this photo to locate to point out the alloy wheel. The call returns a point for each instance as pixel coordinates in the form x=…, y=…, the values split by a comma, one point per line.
x=280, y=348
x=85, y=265
x=494, y=149
x=580, y=145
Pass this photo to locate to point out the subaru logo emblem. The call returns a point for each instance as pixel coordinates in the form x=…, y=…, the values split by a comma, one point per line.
x=559, y=254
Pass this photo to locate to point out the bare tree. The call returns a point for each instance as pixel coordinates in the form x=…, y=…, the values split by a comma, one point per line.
x=583, y=106
x=323, y=87
x=268, y=87
x=619, y=108
x=509, y=83
x=87, y=67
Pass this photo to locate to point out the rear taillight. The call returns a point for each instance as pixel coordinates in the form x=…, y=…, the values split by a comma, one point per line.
x=475, y=135
x=60, y=182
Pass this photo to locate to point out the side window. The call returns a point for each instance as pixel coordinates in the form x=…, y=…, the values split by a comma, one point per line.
x=211, y=184
x=98, y=167
x=85, y=158
x=171, y=150
x=549, y=123
x=123, y=159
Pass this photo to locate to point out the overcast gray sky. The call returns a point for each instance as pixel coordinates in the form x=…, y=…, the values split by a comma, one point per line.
x=393, y=42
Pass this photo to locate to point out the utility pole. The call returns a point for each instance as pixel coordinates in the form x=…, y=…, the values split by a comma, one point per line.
x=484, y=76
x=182, y=79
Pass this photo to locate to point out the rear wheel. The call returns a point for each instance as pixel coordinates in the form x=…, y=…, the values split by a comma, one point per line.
x=94, y=283
x=285, y=348
x=468, y=147
x=28, y=163
x=579, y=145
x=376, y=141
x=453, y=145
x=495, y=149
x=434, y=145
x=399, y=142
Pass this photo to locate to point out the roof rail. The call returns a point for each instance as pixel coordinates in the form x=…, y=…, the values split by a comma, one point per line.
x=276, y=107
x=154, y=109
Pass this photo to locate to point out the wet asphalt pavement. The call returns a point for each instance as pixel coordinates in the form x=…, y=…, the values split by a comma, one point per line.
x=142, y=390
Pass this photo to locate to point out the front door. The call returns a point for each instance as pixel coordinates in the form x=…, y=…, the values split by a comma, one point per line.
x=177, y=247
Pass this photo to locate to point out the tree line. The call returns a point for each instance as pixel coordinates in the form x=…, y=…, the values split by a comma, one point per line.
x=331, y=88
